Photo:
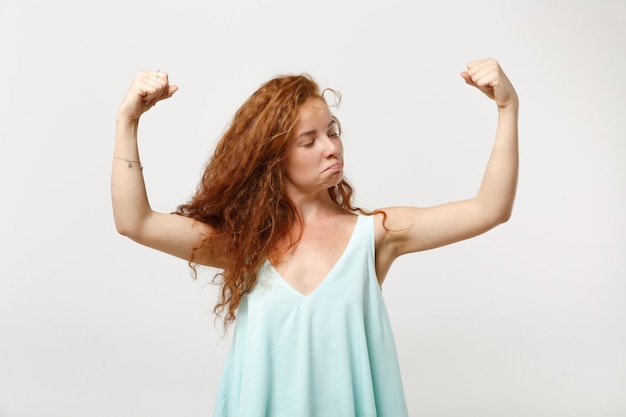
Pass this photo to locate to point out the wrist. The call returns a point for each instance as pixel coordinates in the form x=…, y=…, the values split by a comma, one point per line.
x=511, y=106
x=125, y=119
x=510, y=102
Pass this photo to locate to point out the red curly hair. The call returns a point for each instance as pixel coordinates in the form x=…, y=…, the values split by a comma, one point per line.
x=241, y=194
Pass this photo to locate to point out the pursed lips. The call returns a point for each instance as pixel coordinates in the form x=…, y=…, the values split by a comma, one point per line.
x=334, y=167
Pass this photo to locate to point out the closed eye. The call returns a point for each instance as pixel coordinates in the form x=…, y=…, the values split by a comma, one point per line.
x=334, y=132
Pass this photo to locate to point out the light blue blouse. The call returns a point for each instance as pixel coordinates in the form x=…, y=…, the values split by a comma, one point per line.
x=327, y=354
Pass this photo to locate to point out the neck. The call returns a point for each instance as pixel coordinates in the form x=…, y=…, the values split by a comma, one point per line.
x=312, y=206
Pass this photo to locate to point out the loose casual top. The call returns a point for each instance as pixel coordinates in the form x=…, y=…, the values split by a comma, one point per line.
x=327, y=354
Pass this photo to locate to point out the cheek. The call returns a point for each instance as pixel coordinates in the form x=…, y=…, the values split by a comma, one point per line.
x=294, y=166
x=302, y=160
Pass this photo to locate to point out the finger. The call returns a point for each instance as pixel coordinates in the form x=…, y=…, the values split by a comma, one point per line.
x=485, y=79
x=154, y=85
x=155, y=79
x=152, y=75
x=150, y=87
x=478, y=72
x=150, y=93
x=161, y=80
x=491, y=70
x=161, y=75
x=477, y=77
x=166, y=94
x=482, y=65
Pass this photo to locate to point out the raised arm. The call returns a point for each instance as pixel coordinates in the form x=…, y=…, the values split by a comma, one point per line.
x=416, y=229
x=134, y=218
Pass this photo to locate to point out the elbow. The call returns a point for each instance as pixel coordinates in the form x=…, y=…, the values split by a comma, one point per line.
x=505, y=218
x=127, y=229
x=495, y=213
x=496, y=216
x=130, y=223
x=504, y=215
x=124, y=230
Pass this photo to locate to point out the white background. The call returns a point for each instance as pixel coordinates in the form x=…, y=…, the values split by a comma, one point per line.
x=527, y=320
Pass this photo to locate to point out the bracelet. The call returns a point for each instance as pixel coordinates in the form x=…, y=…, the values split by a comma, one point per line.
x=130, y=163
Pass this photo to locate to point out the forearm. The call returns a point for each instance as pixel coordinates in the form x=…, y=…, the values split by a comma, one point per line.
x=497, y=191
x=128, y=190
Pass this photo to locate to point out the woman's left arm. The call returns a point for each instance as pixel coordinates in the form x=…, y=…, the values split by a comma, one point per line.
x=411, y=229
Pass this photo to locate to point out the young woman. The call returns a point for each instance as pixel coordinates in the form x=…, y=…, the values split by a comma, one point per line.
x=302, y=267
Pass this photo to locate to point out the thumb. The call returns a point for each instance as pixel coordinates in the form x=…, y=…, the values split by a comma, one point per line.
x=467, y=78
x=171, y=90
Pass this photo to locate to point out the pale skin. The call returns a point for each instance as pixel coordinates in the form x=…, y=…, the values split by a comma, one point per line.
x=314, y=163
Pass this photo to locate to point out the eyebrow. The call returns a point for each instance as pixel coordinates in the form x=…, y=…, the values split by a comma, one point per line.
x=313, y=131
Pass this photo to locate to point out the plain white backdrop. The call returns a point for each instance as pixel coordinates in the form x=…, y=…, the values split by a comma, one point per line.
x=527, y=320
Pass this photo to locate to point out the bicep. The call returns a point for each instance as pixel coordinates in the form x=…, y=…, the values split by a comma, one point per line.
x=176, y=235
x=413, y=229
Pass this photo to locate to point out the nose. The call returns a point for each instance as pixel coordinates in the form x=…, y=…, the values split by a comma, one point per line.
x=332, y=146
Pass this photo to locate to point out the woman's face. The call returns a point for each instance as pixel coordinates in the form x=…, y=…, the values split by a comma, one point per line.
x=314, y=159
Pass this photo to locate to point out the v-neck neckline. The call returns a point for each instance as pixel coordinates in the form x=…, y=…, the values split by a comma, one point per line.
x=328, y=275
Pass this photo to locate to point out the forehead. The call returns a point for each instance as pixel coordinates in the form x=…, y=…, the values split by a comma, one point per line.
x=312, y=112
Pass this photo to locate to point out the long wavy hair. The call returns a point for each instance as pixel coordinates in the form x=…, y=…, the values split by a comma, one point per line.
x=241, y=195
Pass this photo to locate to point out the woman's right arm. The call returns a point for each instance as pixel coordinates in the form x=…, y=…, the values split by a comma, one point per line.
x=134, y=218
